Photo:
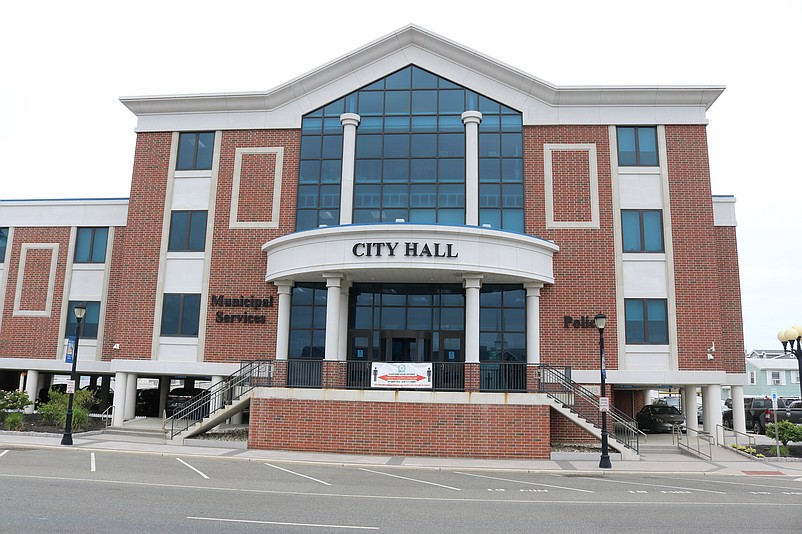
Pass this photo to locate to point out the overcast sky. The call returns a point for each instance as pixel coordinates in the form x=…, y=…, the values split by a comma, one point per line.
x=65, y=64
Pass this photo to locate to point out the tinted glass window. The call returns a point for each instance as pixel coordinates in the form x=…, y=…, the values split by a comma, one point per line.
x=3, y=243
x=180, y=314
x=637, y=146
x=187, y=231
x=646, y=321
x=195, y=151
x=642, y=230
x=89, y=324
x=90, y=245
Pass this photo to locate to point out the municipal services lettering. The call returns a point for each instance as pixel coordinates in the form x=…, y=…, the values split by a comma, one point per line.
x=409, y=249
x=252, y=302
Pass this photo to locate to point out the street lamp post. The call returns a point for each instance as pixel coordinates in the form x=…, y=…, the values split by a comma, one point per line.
x=80, y=312
x=604, y=463
x=793, y=336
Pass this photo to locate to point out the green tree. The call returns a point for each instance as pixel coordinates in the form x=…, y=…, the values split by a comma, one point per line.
x=786, y=431
x=14, y=400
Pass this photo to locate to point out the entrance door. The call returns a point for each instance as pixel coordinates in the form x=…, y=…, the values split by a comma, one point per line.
x=449, y=362
x=406, y=346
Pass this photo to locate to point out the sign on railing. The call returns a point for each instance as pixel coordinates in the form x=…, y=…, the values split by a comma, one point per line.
x=401, y=375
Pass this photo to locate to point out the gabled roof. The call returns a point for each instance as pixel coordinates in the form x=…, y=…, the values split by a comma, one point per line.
x=540, y=102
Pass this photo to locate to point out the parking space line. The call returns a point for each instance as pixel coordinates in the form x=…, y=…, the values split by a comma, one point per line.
x=411, y=479
x=92, y=463
x=522, y=482
x=194, y=469
x=3, y=453
x=281, y=523
x=297, y=474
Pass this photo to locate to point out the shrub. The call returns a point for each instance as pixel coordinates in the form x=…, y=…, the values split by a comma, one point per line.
x=54, y=412
x=14, y=421
x=14, y=400
x=786, y=431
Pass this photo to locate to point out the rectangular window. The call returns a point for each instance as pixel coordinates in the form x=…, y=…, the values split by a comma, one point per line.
x=3, y=243
x=180, y=315
x=795, y=377
x=642, y=230
x=774, y=378
x=646, y=321
x=637, y=146
x=752, y=378
x=187, y=231
x=90, y=245
x=195, y=150
x=89, y=322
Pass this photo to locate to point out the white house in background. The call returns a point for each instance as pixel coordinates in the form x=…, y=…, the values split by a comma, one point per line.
x=771, y=370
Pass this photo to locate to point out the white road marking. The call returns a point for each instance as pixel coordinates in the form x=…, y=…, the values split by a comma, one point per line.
x=316, y=525
x=298, y=474
x=411, y=479
x=522, y=482
x=656, y=485
x=194, y=469
x=92, y=463
x=4, y=452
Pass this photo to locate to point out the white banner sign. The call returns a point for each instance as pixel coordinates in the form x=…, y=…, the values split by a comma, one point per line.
x=399, y=375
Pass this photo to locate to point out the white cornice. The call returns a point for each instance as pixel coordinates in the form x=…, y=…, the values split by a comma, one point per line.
x=541, y=102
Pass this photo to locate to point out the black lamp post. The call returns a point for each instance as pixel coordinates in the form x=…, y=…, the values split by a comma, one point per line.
x=604, y=463
x=793, y=334
x=80, y=312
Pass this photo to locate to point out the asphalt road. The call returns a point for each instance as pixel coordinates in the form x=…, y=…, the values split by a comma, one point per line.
x=67, y=490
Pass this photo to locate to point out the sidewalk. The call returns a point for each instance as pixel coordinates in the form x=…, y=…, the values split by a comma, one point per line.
x=658, y=455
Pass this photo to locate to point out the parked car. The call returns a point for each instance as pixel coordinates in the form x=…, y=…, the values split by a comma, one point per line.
x=659, y=418
x=147, y=402
x=178, y=397
x=754, y=408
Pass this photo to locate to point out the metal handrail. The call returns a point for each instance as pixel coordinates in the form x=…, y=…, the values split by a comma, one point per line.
x=679, y=431
x=255, y=373
x=108, y=416
x=556, y=384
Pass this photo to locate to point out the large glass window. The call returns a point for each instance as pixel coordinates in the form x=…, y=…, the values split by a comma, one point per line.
x=180, y=314
x=187, y=231
x=3, y=243
x=410, y=155
x=502, y=323
x=308, y=322
x=89, y=323
x=642, y=230
x=646, y=321
x=195, y=151
x=637, y=146
x=90, y=245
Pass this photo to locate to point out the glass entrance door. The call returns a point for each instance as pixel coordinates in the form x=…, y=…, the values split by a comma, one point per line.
x=406, y=346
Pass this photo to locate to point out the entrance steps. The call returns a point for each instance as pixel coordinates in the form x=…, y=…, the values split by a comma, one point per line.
x=143, y=427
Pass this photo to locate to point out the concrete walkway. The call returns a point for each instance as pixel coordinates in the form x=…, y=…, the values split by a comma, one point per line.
x=659, y=454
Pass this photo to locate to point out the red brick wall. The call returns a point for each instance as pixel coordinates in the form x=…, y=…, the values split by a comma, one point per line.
x=695, y=253
x=584, y=268
x=135, y=255
x=401, y=429
x=34, y=337
x=565, y=431
x=238, y=264
x=730, y=347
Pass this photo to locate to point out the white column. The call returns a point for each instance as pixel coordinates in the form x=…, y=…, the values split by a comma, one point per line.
x=472, y=283
x=120, y=380
x=349, y=121
x=283, y=327
x=345, y=286
x=333, y=281
x=711, y=396
x=215, y=401
x=689, y=408
x=21, y=385
x=533, y=321
x=471, y=120
x=647, y=397
x=738, y=416
x=32, y=389
x=130, y=396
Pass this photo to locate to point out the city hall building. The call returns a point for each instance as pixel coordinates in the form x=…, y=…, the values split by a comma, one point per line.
x=414, y=239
